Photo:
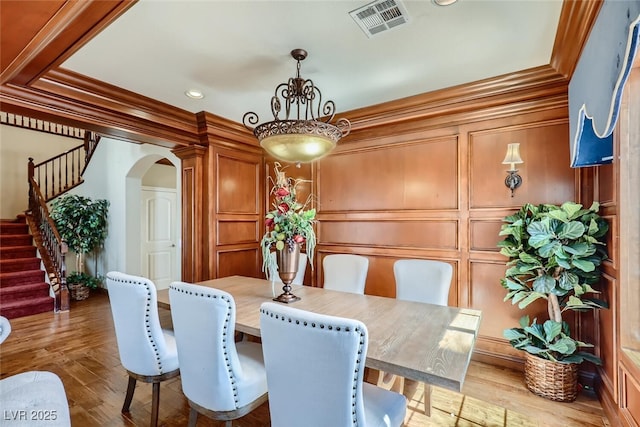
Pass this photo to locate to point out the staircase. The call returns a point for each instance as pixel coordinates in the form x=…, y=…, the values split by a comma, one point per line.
x=23, y=290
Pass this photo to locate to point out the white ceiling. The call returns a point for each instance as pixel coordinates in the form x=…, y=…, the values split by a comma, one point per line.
x=237, y=52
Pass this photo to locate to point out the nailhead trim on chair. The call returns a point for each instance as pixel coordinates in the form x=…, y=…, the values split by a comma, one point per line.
x=232, y=378
x=147, y=320
x=337, y=328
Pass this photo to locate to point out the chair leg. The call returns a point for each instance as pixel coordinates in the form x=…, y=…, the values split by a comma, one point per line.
x=193, y=417
x=155, y=403
x=427, y=399
x=130, y=389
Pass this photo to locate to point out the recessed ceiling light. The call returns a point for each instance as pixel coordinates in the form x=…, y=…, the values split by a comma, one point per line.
x=194, y=94
x=444, y=2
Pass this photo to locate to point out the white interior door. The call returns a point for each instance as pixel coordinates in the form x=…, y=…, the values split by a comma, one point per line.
x=159, y=248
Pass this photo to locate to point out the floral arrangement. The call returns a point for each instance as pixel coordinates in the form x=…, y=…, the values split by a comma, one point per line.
x=288, y=223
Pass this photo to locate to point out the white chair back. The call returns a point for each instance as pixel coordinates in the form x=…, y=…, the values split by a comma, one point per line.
x=302, y=268
x=315, y=365
x=141, y=341
x=345, y=272
x=215, y=374
x=423, y=280
x=27, y=394
x=5, y=328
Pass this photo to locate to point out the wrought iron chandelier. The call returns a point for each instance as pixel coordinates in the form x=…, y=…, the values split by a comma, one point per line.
x=300, y=137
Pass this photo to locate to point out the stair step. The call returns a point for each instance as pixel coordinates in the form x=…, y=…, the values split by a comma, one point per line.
x=23, y=292
x=13, y=252
x=17, y=278
x=25, y=308
x=13, y=228
x=16, y=240
x=19, y=264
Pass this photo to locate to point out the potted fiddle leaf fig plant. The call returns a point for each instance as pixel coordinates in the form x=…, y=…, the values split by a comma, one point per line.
x=82, y=224
x=555, y=254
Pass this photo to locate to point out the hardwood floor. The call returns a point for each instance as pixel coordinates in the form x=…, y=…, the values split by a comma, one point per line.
x=80, y=347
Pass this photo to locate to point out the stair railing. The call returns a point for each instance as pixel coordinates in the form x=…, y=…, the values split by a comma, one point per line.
x=63, y=172
x=49, y=243
x=55, y=176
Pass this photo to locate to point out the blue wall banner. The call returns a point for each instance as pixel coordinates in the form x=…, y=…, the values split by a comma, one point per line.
x=595, y=90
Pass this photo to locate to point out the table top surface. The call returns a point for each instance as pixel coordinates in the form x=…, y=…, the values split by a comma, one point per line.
x=423, y=342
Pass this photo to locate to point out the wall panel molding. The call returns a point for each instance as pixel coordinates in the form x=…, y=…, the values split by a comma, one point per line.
x=427, y=233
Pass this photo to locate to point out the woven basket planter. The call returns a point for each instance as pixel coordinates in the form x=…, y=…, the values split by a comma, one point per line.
x=551, y=380
x=78, y=291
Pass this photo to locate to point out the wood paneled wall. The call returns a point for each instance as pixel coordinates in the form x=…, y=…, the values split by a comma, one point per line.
x=223, y=209
x=616, y=330
x=437, y=192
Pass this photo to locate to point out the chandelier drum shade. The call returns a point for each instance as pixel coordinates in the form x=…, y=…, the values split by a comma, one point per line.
x=305, y=133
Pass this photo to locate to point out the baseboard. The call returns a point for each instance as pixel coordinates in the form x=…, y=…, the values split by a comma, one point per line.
x=498, y=360
x=609, y=406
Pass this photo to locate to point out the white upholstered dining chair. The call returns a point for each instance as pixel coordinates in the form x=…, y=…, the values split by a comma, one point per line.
x=147, y=352
x=345, y=272
x=31, y=393
x=5, y=328
x=221, y=379
x=315, y=366
x=302, y=268
x=421, y=280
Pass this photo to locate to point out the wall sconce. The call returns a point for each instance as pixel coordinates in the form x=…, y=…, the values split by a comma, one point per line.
x=513, y=180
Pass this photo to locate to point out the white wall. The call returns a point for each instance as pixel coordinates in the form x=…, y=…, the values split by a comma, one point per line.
x=16, y=146
x=115, y=173
x=162, y=176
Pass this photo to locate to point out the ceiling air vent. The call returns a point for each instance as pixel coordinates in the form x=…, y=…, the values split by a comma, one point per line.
x=380, y=16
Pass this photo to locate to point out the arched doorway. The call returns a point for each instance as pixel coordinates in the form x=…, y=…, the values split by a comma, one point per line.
x=153, y=220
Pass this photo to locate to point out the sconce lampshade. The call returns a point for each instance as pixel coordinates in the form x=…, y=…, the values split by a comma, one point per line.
x=307, y=138
x=513, y=156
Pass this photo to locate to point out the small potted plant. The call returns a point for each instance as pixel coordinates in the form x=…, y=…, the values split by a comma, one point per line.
x=82, y=224
x=555, y=253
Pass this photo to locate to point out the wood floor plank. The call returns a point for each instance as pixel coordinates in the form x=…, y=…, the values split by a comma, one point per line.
x=81, y=348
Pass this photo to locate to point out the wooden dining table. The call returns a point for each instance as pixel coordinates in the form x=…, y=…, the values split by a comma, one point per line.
x=423, y=342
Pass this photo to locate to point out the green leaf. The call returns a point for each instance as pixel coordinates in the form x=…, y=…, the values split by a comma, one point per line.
x=589, y=357
x=536, y=330
x=530, y=298
x=559, y=215
x=552, y=329
x=518, y=296
x=549, y=249
x=539, y=240
x=567, y=280
x=544, y=284
x=583, y=265
x=571, y=209
x=513, y=285
x=524, y=321
x=577, y=248
x=525, y=257
x=571, y=230
x=564, y=346
x=534, y=350
x=513, y=334
x=563, y=262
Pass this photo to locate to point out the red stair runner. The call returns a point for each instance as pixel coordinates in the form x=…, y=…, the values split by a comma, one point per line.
x=23, y=290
